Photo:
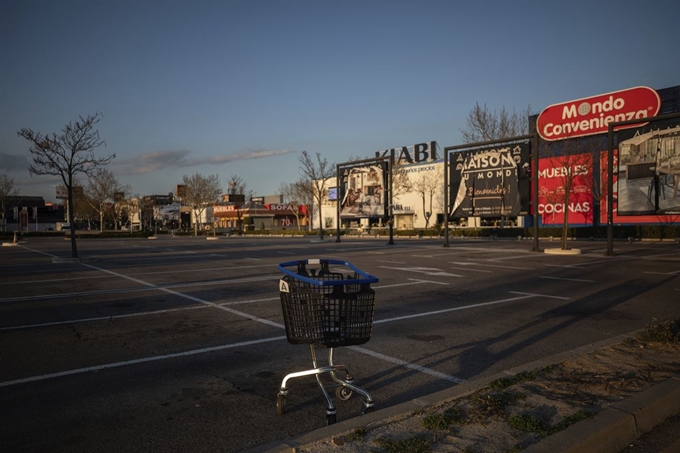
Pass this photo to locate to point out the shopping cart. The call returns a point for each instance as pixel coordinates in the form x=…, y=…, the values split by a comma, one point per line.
x=324, y=307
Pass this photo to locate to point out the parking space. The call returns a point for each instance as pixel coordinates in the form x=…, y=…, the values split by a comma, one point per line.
x=180, y=343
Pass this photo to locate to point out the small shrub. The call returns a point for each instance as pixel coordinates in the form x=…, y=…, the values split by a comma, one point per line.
x=438, y=422
x=495, y=403
x=358, y=435
x=417, y=444
x=529, y=423
x=662, y=332
x=524, y=376
x=570, y=420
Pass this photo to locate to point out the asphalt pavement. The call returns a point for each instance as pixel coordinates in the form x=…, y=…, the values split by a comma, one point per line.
x=178, y=344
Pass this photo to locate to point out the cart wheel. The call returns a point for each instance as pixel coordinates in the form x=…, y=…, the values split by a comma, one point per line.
x=343, y=393
x=367, y=409
x=281, y=404
x=330, y=419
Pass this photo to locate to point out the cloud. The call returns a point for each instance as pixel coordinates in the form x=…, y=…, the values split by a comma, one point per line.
x=159, y=160
x=13, y=163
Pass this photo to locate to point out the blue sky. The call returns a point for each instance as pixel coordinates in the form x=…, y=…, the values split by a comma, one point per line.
x=241, y=87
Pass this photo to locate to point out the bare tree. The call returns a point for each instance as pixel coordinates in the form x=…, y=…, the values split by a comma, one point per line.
x=484, y=125
x=315, y=174
x=427, y=185
x=237, y=186
x=296, y=194
x=7, y=191
x=100, y=192
x=200, y=192
x=401, y=182
x=67, y=154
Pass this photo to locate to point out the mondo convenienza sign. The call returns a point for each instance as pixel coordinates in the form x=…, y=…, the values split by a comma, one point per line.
x=589, y=116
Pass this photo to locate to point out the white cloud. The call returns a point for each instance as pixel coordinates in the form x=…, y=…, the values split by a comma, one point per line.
x=159, y=160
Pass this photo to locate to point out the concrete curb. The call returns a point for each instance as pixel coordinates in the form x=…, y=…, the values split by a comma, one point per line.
x=610, y=431
x=613, y=429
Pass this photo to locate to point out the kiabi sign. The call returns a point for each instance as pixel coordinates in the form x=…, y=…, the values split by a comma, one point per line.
x=589, y=116
x=422, y=152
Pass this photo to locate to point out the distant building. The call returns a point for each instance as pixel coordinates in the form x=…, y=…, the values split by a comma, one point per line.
x=28, y=213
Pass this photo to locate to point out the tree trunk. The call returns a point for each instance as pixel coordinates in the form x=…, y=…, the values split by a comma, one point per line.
x=320, y=222
x=565, y=222
x=71, y=216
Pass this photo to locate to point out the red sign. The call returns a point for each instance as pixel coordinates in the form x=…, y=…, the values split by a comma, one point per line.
x=554, y=174
x=589, y=116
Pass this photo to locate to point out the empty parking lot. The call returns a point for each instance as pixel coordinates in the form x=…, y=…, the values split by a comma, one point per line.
x=178, y=344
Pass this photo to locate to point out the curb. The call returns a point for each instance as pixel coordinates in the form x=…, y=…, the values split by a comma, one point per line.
x=616, y=427
x=612, y=430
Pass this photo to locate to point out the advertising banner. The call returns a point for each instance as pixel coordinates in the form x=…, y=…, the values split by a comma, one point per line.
x=362, y=190
x=648, y=170
x=555, y=174
x=490, y=182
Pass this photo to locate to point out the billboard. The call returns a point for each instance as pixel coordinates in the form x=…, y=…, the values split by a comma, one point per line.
x=589, y=116
x=362, y=191
x=555, y=175
x=60, y=193
x=647, y=181
x=490, y=182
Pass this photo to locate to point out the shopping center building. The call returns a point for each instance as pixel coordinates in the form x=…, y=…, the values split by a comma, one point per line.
x=572, y=142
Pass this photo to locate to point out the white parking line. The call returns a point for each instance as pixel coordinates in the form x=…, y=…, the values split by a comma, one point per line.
x=146, y=287
x=467, y=269
x=539, y=295
x=280, y=326
x=459, y=263
x=136, y=361
x=102, y=318
x=409, y=365
x=270, y=323
x=447, y=310
x=567, y=279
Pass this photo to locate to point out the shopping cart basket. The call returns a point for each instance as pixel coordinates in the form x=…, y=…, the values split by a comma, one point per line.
x=324, y=307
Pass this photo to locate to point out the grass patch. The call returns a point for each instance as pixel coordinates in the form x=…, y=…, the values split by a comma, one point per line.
x=416, y=444
x=529, y=423
x=358, y=434
x=570, y=420
x=495, y=403
x=524, y=376
x=438, y=422
x=451, y=416
x=662, y=331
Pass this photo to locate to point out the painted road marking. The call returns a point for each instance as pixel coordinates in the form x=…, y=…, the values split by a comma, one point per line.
x=459, y=263
x=136, y=361
x=467, y=269
x=146, y=287
x=424, y=270
x=567, y=279
x=409, y=365
x=280, y=326
x=267, y=322
x=447, y=310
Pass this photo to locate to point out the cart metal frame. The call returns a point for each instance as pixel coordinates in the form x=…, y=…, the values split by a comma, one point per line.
x=322, y=307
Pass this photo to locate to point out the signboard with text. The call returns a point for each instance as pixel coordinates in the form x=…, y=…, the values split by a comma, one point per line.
x=589, y=116
x=490, y=182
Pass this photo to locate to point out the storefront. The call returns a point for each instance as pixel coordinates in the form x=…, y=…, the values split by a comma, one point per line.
x=260, y=216
x=572, y=148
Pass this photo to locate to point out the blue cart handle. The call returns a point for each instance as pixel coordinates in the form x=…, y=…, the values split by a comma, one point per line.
x=366, y=278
